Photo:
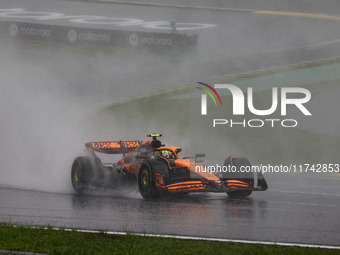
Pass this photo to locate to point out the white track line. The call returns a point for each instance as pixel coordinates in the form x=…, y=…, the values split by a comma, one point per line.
x=333, y=247
x=205, y=239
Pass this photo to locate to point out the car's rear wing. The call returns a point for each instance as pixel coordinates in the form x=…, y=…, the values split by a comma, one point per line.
x=113, y=147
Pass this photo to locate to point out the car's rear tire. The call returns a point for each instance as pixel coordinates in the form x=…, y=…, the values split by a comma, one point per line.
x=82, y=173
x=239, y=193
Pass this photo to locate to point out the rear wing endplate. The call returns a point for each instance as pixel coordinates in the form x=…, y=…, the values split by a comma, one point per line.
x=113, y=147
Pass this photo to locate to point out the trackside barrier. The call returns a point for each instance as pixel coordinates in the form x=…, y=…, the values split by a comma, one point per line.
x=151, y=41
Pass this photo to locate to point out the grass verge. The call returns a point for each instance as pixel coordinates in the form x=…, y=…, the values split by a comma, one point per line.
x=21, y=238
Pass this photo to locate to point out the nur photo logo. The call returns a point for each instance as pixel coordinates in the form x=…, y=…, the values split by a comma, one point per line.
x=204, y=97
x=281, y=98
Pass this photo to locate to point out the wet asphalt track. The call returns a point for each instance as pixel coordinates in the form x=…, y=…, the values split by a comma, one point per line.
x=294, y=209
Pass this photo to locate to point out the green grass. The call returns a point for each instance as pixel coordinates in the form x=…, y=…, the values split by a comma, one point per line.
x=51, y=241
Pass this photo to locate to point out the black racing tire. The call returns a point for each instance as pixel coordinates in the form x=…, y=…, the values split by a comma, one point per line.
x=146, y=179
x=237, y=163
x=82, y=173
x=146, y=182
x=239, y=193
x=238, y=175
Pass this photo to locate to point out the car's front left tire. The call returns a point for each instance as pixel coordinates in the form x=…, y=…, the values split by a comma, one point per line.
x=146, y=182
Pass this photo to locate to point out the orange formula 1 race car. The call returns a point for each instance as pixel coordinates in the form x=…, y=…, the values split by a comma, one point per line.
x=158, y=170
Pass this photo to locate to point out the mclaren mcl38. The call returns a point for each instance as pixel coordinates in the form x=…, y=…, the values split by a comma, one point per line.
x=158, y=170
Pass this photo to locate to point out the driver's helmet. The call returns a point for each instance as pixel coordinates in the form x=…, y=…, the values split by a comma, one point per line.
x=163, y=153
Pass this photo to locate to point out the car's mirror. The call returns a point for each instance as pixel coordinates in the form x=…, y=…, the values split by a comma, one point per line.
x=199, y=157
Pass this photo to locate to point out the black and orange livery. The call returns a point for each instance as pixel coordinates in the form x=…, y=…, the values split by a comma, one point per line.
x=159, y=170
